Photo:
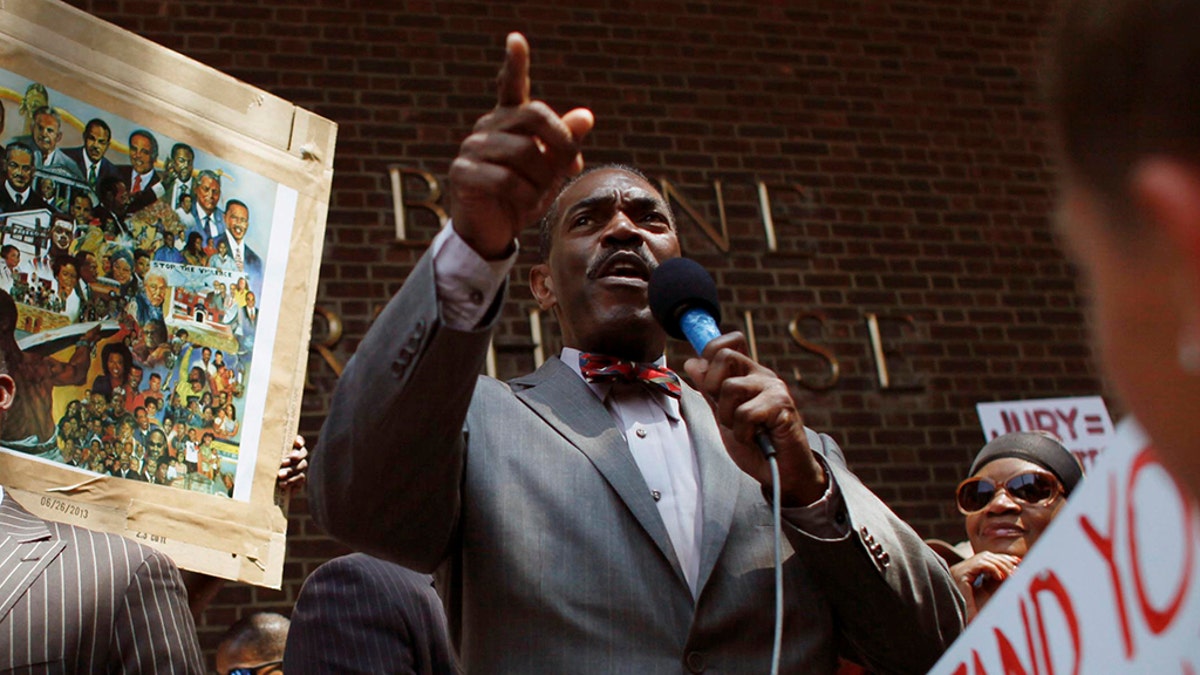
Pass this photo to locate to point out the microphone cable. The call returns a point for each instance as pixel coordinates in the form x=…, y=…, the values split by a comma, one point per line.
x=777, y=518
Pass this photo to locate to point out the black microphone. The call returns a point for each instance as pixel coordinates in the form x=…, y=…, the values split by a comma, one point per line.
x=683, y=298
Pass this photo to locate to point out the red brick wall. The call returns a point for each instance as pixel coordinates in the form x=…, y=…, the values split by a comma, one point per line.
x=913, y=127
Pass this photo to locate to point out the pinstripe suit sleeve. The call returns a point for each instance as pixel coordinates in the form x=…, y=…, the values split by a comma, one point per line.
x=153, y=631
x=358, y=614
x=84, y=601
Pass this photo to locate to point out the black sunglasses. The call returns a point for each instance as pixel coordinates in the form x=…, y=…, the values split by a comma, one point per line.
x=1034, y=488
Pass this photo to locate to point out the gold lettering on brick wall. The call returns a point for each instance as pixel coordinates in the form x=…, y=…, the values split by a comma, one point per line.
x=748, y=320
x=332, y=334
x=324, y=346
x=535, y=334
x=835, y=368
x=489, y=361
x=721, y=239
x=881, y=367
x=401, y=202
x=764, y=206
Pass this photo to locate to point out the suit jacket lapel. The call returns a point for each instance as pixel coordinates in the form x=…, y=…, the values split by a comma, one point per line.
x=719, y=479
x=26, y=547
x=566, y=403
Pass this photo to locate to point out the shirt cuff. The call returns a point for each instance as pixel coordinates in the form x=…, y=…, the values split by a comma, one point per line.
x=825, y=518
x=466, y=283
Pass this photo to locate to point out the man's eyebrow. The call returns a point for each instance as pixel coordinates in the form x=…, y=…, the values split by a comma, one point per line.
x=591, y=203
x=643, y=201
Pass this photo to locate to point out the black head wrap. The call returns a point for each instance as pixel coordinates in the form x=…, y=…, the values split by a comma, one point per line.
x=1039, y=447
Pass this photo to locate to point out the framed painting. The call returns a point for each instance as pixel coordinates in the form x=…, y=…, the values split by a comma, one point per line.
x=160, y=234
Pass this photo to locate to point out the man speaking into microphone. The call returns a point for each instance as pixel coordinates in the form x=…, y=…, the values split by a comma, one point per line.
x=599, y=515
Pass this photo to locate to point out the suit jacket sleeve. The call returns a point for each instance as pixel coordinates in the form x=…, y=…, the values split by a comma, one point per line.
x=894, y=603
x=394, y=435
x=358, y=614
x=153, y=631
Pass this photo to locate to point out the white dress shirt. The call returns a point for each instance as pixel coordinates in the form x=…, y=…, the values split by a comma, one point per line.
x=237, y=251
x=145, y=182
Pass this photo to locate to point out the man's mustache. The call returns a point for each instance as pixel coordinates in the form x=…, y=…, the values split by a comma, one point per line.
x=593, y=270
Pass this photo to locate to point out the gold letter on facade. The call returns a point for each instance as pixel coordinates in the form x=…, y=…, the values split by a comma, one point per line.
x=324, y=347
x=400, y=204
x=835, y=368
x=881, y=368
x=721, y=239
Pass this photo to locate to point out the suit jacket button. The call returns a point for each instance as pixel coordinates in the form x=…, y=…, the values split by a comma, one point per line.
x=695, y=662
x=885, y=559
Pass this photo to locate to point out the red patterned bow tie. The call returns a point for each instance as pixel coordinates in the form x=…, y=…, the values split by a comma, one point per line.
x=598, y=368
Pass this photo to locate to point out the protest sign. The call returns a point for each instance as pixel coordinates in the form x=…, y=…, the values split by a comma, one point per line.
x=1081, y=422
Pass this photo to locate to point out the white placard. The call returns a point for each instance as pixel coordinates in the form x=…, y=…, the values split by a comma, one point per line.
x=1082, y=422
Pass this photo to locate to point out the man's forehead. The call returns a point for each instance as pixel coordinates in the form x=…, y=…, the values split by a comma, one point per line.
x=611, y=183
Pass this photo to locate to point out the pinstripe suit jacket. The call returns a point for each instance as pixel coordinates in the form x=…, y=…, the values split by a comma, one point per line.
x=552, y=556
x=358, y=614
x=77, y=601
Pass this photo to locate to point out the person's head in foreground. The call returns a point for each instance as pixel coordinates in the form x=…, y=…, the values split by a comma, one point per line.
x=1127, y=113
x=1018, y=482
x=253, y=646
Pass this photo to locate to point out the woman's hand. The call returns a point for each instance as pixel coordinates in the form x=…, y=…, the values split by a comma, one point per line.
x=979, y=576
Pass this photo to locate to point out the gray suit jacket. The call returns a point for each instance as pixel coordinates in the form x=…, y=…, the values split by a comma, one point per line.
x=358, y=614
x=77, y=601
x=551, y=553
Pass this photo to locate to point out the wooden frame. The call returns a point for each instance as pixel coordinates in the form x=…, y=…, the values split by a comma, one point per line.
x=210, y=503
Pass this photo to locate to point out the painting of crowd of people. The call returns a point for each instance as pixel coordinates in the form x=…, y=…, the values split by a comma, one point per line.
x=131, y=267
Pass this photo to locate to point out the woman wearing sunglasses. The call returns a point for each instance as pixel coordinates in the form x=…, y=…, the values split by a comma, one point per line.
x=1017, y=484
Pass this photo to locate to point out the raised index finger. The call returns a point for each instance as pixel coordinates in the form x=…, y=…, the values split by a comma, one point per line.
x=512, y=84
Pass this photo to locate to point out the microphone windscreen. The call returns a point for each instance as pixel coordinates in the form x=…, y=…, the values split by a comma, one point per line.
x=678, y=285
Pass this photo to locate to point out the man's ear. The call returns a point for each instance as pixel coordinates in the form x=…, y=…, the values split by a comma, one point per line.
x=1167, y=194
x=542, y=286
x=8, y=390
